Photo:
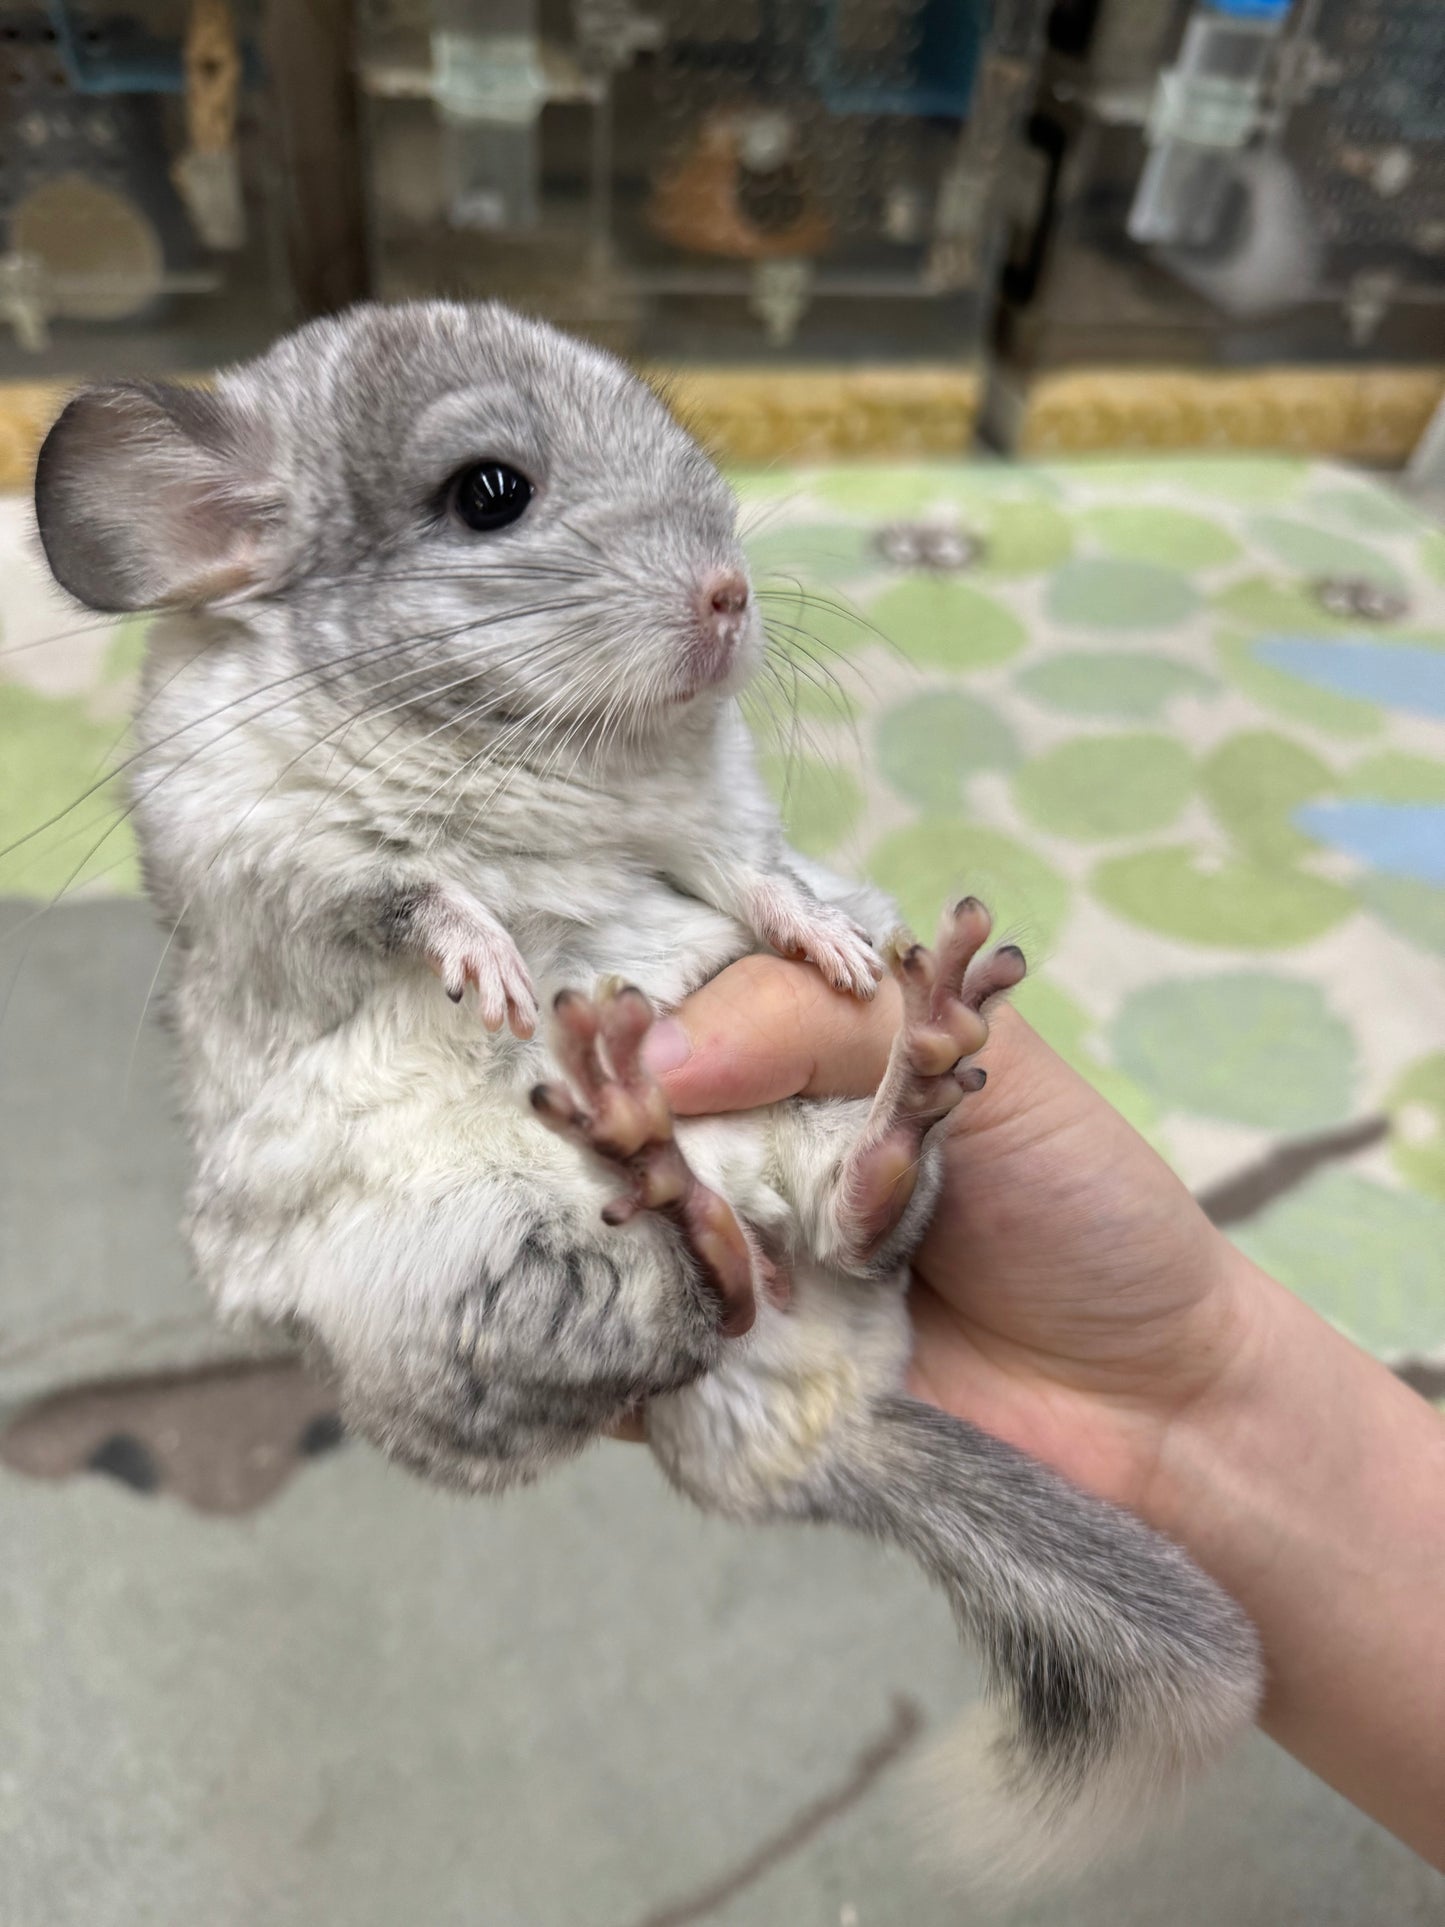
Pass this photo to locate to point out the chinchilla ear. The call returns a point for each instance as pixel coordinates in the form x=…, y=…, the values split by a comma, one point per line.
x=151, y=495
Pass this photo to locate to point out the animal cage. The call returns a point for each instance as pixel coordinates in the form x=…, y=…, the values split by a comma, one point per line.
x=736, y=179
x=134, y=214
x=1236, y=182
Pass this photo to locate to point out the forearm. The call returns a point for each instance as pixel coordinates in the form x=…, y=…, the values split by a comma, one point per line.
x=1311, y=1484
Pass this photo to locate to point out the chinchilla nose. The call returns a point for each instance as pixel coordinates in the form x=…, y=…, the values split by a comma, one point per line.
x=723, y=598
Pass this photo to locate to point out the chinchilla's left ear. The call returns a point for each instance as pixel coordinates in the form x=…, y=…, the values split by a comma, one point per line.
x=151, y=495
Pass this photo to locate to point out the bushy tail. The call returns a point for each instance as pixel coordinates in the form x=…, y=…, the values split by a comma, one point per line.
x=1117, y=1669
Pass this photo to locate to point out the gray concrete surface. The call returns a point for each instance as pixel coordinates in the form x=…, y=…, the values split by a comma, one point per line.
x=374, y=1705
x=93, y=1281
x=369, y=1704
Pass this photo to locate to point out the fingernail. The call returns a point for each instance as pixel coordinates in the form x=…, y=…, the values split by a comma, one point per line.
x=665, y=1047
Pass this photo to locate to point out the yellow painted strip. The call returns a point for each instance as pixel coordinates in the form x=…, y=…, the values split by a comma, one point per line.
x=1363, y=414
x=750, y=415
x=27, y=408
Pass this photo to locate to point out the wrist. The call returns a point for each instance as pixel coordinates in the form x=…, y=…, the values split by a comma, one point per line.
x=1310, y=1483
x=1298, y=1448
x=1212, y=1488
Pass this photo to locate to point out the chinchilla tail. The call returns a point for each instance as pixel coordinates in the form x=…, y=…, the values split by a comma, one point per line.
x=1117, y=1671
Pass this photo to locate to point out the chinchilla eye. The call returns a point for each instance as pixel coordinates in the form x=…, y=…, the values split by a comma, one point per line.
x=490, y=495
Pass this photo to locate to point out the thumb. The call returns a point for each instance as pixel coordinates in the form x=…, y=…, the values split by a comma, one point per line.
x=764, y=1030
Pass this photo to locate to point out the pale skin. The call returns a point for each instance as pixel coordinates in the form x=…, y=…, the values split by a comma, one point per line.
x=1072, y=1298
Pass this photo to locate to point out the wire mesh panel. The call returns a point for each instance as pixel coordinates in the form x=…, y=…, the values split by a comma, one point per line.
x=708, y=177
x=131, y=198
x=1274, y=190
x=1370, y=140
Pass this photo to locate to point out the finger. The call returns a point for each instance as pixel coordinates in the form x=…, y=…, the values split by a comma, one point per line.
x=491, y=1002
x=522, y=1018
x=555, y=1106
x=574, y=1040
x=765, y=1030
x=962, y=933
x=998, y=973
x=626, y=1016
x=521, y=1004
x=913, y=968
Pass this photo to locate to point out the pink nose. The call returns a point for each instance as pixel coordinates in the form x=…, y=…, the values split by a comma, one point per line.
x=725, y=595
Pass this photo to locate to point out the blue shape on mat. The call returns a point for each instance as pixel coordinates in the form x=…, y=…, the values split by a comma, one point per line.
x=1400, y=675
x=1401, y=839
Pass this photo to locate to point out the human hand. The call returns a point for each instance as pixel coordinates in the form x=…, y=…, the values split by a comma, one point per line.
x=1070, y=1296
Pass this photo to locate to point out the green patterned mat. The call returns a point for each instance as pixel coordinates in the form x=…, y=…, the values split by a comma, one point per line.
x=1182, y=724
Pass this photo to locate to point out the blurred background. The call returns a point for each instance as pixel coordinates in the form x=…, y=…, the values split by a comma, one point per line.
x=1061, y=225
x=1080, y=366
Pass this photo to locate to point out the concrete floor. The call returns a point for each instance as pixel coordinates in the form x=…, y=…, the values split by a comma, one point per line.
x=364, y=1702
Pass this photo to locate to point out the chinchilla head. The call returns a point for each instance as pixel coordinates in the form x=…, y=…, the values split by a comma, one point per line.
x=447, y=510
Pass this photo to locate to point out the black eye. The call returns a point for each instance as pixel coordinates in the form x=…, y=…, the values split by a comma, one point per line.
x=490, y=496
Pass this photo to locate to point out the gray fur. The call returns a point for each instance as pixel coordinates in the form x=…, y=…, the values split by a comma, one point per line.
x=373, y=746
